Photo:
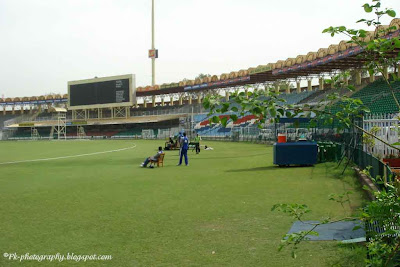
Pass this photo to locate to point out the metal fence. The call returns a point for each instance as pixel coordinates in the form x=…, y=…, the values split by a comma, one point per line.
x=387, y=126
x=377, y=169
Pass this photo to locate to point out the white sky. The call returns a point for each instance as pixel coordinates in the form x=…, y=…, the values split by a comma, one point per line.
x=46, y=43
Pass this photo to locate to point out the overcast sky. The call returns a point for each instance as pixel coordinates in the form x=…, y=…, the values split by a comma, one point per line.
x=46, y=43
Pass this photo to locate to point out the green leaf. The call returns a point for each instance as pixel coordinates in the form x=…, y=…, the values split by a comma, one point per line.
x=351, y=87
x=367, y=8
x=225, y=107
x=272, y=111
x=206, y=103
x=234, y=117
x=391, y=13
x=281, y=111
x=224, y=121
x=215, y=119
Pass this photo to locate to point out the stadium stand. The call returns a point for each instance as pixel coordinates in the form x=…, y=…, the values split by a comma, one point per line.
x=293, y=99
x=4, y=118
x=378, y=97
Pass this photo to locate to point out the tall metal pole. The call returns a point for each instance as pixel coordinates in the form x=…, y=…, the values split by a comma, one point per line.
x=153, y=60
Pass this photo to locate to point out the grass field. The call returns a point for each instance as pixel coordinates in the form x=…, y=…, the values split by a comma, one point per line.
x=216, y=212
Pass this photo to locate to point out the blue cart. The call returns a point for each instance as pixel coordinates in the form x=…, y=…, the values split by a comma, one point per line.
x=298, y=153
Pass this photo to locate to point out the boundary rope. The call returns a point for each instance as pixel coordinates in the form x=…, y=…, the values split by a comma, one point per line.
x=67, y=157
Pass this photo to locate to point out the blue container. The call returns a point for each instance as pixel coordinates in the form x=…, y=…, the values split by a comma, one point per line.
x=299, y=153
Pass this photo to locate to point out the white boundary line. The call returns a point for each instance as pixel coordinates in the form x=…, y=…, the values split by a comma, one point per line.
x=67, y=157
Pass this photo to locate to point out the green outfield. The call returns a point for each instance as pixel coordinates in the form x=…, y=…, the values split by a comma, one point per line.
x=215, y=212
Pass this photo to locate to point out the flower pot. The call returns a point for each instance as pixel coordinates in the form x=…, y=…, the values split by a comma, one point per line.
x=392, y=162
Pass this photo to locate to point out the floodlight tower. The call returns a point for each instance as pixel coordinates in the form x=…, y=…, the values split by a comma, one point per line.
x=153, y=53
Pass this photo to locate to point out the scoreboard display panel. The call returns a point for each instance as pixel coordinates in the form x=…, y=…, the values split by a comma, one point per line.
x=103, y=92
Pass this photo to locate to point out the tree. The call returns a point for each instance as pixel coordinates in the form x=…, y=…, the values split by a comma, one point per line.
x=202, y=76
x=379, y=53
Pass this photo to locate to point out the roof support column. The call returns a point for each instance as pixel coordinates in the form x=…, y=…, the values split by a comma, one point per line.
x=309, y=84
x=227, y=95
x=144, y=103
x=190, y=99
x=398, y=70
x=321, y=83
x=13, y=109
x=198, y=98
x=287, y=85
x=162, y=101
x=358, y=77
x=153, y=100
x=332, y=85
x=385, y=72
x=246, y=90
x=277, y=88
x=298, y=88
x=30, y=109
x=266, y=88
x=4, y=110
x=181, y=99
x=22, y=109
x=371, y=78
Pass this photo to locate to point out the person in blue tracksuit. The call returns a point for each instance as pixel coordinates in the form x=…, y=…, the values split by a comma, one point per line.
x=180, y=140
x=184, y=149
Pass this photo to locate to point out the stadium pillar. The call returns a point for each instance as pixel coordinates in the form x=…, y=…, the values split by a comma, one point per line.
x=331, y=84
x=227, y=95
x=287, y=88
x=398, y=71
x=358, y=77
x=144, y=103
x=346, y=81
x=180, y=99
x=190, y=99
x=153, y=100
x=13, y=109
x=30, y=109
x=4, y=110
x=277, y=88
x=309, y=85
x=246, y=93
x=298, y=86
x=371, y=78
x=199, y=98
x=385, y=72
x=321, y=83
x=162, y=101
x=22, y=110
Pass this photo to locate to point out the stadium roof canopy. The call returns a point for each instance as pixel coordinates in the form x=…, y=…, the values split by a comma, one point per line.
x=342, y=56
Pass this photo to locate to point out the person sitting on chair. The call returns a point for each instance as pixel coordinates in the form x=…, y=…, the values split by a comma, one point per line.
x=170, y=144
x=153, y=158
